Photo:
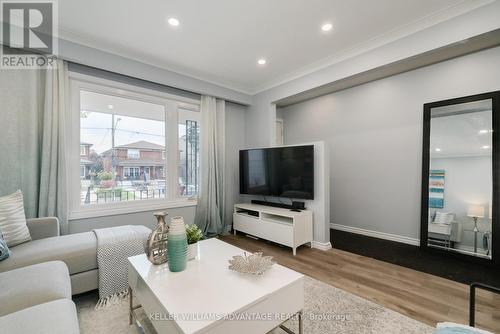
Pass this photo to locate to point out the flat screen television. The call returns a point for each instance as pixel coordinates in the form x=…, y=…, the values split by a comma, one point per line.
x=278, y=171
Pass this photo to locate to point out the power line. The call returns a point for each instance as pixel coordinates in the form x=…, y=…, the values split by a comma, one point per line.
x=129, y=131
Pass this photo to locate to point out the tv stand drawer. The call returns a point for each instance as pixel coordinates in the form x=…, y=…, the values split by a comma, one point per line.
x=246, y=223
x=276, y=232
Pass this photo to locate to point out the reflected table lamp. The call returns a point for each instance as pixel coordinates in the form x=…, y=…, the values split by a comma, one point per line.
x=475, y=211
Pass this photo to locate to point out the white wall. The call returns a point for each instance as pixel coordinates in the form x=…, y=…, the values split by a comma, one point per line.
x=374, y=133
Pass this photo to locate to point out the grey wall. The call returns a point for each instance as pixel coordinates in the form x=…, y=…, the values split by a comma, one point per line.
x=235, y=140
x=21, y=99
x=279, y=112
x=374, y=133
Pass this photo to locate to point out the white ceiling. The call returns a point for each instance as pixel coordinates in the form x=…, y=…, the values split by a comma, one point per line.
x=104, y=103
x=220, y=40
x=463, y=134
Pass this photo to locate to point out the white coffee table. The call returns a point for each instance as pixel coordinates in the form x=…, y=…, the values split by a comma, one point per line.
x=207, y=297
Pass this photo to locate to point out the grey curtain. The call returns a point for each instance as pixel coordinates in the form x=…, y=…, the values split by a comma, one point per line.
x=210, y=209
x=32, y=143
x=53, y=190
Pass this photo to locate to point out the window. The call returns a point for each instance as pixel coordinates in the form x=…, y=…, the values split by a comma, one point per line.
x=117, y=135
x=131, y=155
x=189, y=152
x=131, y=173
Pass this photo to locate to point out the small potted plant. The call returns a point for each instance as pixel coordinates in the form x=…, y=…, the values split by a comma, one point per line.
x=106, y=179
x=194, y=235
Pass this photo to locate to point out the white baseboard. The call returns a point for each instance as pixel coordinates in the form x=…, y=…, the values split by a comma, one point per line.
x=322, y=245
x=376, y=234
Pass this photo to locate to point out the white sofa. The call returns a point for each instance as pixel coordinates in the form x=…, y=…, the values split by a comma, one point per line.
x=37, y=299
x=78, y=251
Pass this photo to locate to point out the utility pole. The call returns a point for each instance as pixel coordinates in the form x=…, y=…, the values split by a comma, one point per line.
x=113, y=151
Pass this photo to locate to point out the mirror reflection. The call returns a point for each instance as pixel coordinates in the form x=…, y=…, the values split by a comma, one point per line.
x=460, y=178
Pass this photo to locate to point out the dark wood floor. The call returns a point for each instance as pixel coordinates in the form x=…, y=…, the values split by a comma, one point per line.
x=421, y=296
x=457, y=269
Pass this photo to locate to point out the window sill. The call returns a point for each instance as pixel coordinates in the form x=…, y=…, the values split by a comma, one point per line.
x=94, y=211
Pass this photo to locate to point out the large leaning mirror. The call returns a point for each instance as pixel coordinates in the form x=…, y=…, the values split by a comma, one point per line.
x=458, y=180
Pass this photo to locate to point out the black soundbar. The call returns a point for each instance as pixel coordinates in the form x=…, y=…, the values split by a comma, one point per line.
x=273, y=204
x=294, y=206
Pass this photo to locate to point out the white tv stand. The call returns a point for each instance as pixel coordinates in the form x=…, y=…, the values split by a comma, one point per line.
x=279, y=225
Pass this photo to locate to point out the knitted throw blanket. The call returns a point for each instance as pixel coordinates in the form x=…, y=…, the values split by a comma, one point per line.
x=114, y=246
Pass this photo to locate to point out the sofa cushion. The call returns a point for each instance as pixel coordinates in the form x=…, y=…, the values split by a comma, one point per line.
x=13, y=220
x=78, y=251
x=33, y=285
x=56, y=317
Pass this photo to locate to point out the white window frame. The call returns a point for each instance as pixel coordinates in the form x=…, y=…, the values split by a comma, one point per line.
x=197, y=118
x=82, y=151
x=133, y=156
x=172, y=104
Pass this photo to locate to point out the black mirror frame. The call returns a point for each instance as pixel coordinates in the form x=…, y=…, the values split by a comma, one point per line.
x=495, y=229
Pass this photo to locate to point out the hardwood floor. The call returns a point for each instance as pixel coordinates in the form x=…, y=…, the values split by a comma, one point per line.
x=424, y=297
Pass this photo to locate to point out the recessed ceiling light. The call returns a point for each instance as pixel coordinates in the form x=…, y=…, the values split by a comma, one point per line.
x=110, y=106
x=437, y=149
x=327, y=27
x=485, y=147
x=485, y=131
x=173, y=22
x=261, y=61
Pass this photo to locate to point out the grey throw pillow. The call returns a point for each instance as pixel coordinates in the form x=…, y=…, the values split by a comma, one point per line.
x=12, y=219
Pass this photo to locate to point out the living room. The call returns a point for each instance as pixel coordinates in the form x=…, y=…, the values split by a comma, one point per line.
x=250, y=166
